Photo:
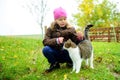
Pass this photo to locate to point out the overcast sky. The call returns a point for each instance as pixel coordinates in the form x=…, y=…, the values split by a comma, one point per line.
x=14, y=20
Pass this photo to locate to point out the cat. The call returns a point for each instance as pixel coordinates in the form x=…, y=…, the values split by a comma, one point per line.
x=80, y=52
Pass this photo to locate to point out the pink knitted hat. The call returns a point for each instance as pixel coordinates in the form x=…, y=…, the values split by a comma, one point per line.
x=59, y=12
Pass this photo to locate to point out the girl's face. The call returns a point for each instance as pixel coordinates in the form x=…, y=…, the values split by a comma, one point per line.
x=62, y=21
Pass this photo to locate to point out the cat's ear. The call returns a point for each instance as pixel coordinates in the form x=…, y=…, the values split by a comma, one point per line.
x=69, y=39
x=72, y=44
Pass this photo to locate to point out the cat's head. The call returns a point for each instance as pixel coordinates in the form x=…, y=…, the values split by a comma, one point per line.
x=69, y=43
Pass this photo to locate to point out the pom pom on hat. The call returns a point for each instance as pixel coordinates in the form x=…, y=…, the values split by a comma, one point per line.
x=59, y=12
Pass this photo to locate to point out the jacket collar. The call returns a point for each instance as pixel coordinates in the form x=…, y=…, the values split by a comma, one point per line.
x=58, y=27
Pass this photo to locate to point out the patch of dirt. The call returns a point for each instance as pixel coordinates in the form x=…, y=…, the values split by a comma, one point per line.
x=116, y=75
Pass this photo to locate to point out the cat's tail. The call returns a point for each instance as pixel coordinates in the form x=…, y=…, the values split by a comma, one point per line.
x=86, y=31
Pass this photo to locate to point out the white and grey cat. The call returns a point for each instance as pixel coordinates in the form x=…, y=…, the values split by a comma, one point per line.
x=83, y=50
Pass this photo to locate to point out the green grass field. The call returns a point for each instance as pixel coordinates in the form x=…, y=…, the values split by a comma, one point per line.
x=21, y=59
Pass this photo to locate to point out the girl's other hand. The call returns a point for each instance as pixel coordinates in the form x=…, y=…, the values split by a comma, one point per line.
x=60, y=39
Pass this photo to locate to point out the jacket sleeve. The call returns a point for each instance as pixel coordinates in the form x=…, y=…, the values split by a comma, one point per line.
x=75, y=37
x=48, y=40
x=71, y=33
x=68, y=32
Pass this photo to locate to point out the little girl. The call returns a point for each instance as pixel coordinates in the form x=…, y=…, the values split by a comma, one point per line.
x=55, y=36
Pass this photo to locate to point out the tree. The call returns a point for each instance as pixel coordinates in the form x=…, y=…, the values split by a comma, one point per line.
x=99, y=14
x=38, y=8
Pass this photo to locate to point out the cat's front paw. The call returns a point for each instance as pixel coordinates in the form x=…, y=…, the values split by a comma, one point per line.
x=71, y=71
x=77, y=71
x=91, y=67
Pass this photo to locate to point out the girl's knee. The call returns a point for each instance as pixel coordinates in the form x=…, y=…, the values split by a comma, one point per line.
x=46, y=50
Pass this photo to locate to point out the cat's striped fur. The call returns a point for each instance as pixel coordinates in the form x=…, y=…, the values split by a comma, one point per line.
x=83, y=50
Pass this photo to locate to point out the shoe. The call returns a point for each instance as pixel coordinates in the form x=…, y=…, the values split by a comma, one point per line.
x=69, y=65
x=52, y=67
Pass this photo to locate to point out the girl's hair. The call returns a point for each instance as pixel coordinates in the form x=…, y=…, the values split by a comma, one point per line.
x=52, y=26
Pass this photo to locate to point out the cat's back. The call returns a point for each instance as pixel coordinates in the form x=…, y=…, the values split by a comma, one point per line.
x=85, y=43
x=85, y=48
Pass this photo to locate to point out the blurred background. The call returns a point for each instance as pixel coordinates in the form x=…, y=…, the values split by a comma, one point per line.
x=28, y=17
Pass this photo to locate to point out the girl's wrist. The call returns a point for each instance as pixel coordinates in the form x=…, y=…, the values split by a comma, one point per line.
x=58, y=41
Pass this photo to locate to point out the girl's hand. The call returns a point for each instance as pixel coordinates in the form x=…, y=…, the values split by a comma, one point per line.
x=80, y=35
x=60, y=39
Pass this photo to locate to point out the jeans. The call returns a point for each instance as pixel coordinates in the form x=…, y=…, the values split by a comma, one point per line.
x=54, y=55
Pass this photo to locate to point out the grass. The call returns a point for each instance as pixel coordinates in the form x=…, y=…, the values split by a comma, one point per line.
x=22, y=59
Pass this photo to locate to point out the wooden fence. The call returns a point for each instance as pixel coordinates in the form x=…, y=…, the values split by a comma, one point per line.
x=105, y=34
